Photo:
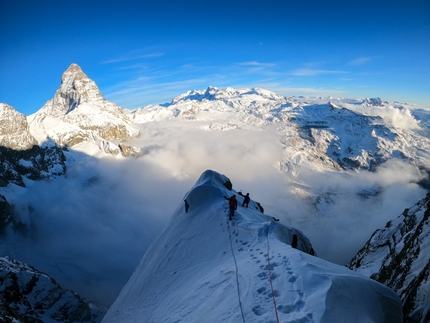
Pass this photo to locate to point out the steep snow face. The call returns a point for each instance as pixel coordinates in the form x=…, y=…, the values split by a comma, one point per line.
x=31, y=296
x=399, y=256
x=78, y=115
x=204, y=268
x=14, y=129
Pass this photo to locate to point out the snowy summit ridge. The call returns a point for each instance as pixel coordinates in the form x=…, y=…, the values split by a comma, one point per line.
x=204, y=268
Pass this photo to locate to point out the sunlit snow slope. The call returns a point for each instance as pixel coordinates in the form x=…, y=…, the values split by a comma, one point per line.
x=204, y=268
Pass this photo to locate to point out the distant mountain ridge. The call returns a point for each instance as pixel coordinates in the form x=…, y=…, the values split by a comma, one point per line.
x=328, y=134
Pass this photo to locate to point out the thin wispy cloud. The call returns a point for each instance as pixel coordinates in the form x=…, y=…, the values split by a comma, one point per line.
x=359, y=61
x=313, y=72
x=133, y=56
x=141, y=91
x=256, y=64
x=304, y=91
x=253, y=67
x=154, y=84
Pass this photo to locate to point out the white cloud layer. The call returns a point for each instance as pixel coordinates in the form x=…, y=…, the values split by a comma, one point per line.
x=393, y=117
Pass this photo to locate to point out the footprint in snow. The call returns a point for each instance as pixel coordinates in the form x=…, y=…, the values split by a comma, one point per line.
x=258, y=310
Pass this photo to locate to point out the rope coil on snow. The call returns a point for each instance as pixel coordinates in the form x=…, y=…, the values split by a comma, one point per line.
x=237, y=270
x=270, y=277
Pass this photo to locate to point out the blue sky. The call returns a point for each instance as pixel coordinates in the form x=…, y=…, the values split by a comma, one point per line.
x=147, y=52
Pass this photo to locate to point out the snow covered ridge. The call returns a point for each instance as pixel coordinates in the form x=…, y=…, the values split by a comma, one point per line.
x=28, y=295
x=205, y=268
x=399, y=257
x=79, y=116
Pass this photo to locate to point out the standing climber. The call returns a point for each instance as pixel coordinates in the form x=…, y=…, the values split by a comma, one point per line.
x=295, y=241
x=232, y=203
x=246, y=200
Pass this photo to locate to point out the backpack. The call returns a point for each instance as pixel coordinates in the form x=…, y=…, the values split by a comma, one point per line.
x=232, y=202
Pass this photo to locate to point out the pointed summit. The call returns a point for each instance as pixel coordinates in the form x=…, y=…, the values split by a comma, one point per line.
x=73, y=72
x=74, y=79
x=76, y=88
x=78, y=113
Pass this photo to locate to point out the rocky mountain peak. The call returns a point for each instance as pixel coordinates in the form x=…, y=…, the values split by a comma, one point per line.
x=76, y=88
x=14, y=129
x=75, y=80
x=73, y=68
x=79, y=113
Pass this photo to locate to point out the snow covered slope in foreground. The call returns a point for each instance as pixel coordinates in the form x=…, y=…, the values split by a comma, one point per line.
x=204, y=268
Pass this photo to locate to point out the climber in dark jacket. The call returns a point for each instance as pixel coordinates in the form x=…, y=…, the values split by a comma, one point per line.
x=246, y=200
x=232, y=205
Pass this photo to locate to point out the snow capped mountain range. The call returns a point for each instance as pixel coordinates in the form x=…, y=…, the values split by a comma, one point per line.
x=332, y=170
x=331, y=134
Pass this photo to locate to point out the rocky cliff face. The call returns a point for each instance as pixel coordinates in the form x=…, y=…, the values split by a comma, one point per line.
x=79, y=114
x=27, y=295
x=399, y=257
x=14, y=129
x=8, y=218
x=35, y=163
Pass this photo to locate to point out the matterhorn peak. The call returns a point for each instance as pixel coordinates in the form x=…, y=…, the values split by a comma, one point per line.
x=79, y=113
x=76, y=88
x=74, y=72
